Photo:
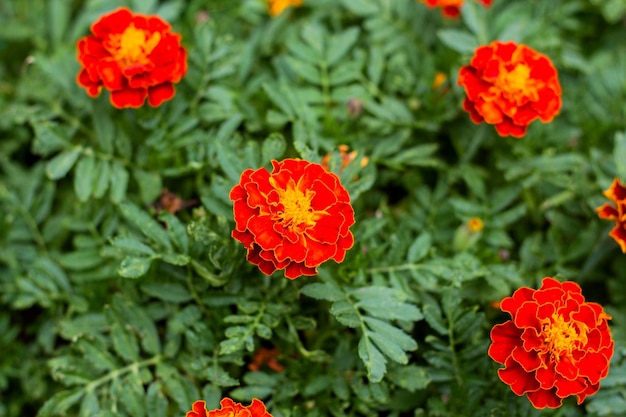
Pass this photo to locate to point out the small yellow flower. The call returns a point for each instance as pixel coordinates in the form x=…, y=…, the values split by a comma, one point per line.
x=276, y=7
x=440, y=78
x=475, y=225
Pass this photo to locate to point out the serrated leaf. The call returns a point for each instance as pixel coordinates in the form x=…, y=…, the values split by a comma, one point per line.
x=131, y=246
x=84, y=177
x=619, y=155
x=373, y=360
x=391, y=333
x=273, y=147
x=124, y=342
x=139, y=319
x=220, y=377
x=420, y=247
x=250, y=392
x=323, y=292
x=175, y=258
x=146, y=224
x=175, y=293
x=134, y=266
x=340, y=44
x=101, y=359
x=458, y=40
x=89, y=407
x=346, y=314
x=432, y=315
x=177, y=230
x=102, y=178
x=118, y=182
x=411, y=377
x=60, y=165
x=60, y=402
x=156, y=401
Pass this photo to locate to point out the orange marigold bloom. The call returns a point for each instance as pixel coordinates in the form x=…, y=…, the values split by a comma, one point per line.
x=510, y=85
x=276, y=7
x=133, y=56
x=617, y=194
x=451, y=8
x=294, y=218
x=346, y=158
x=229, y=408
x=555, y=345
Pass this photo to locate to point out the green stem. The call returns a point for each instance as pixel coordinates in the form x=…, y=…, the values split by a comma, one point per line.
x=134, y=367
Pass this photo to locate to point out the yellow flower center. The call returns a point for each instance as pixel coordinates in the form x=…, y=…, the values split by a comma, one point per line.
x=516, y=84
x=475, y=224
x=132, y=46
x=297, y=211
x=562, y=337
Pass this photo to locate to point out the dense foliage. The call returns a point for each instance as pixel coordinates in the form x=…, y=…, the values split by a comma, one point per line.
x=122, y=292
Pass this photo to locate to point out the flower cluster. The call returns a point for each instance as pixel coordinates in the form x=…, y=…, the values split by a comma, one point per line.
x=510, y=85
x=276, y=7
x=556, y=344
x=294, y=218
x=133, y=56
x=229, y=408
x=451, y=8
x=617, y=194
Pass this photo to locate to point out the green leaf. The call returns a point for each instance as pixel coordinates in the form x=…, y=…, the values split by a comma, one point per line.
x=220, y=377
x=420, y=247
x=175, y=258
x=374, y=361
x=90, y=406
x=174, y=293
x=150, y=185
x=101, y=359
x=134, y=267
x=119, y=182
x=346, y=314
x=619, y=154
x=84, y=177
x=146, y=224
x=432, y=315
x=156, y=401
x=141, y=322
x=411, y=377
x=177, y=230
x=340, y=44
x=60, y=402
x=458, y=40
x=273, y=147
x=323, y=292
x=124, y=342
x=60, y=165
x=102, y=178
x=131, y=246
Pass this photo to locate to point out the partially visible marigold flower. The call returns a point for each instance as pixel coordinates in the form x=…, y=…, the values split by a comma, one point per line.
x=229, y=408
x=276, y=7
x=451, y=8
x=346, y=158
x=294, y=218
x=556, y=344
x=617, y=194
x=510, y=85
x=134, y=56
x=268, y=357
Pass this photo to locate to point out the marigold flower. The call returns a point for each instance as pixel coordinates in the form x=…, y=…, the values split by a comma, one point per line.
x=294, y=218
x=451, y=8
x=617, y=194
x=555, y=345
x=266, y=356
x=510, y=85
x=346, y=158
x=475, y=224
x=276, y=7
x=229, y=408
x=134, y=56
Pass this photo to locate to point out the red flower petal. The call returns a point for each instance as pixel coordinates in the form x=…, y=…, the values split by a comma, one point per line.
x=509, y=86
x=298, y=215
x=556, y=345
x=505, y=338
x=133, y=56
